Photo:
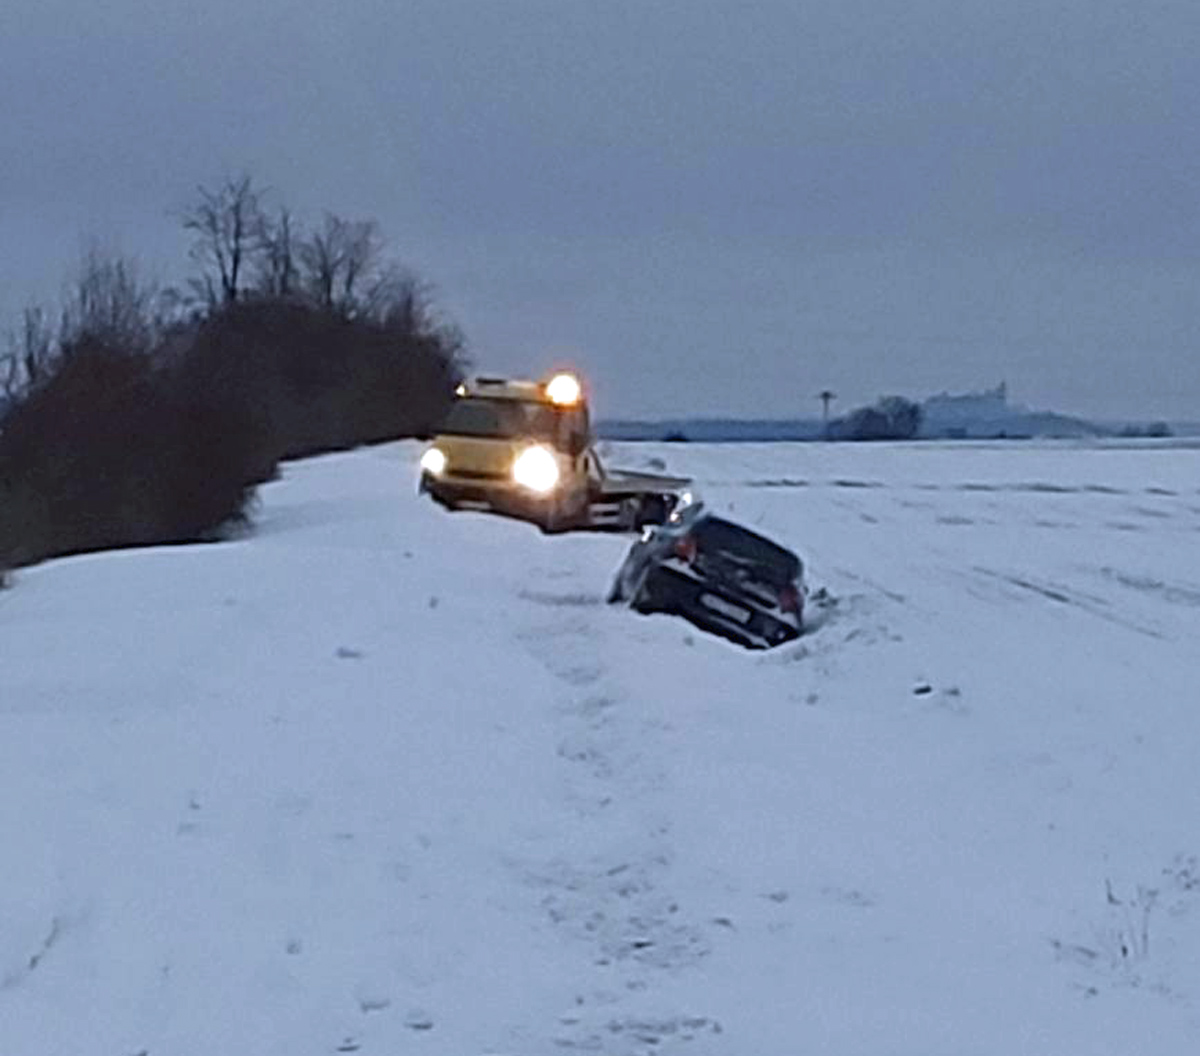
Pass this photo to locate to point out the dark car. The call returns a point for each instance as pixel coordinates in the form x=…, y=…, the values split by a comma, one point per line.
x=717, y=574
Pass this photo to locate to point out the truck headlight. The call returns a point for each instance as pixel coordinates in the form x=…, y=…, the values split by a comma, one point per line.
x=433, y=462
x=536, y=469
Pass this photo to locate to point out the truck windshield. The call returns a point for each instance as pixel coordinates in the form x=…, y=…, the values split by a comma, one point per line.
x=502, y=419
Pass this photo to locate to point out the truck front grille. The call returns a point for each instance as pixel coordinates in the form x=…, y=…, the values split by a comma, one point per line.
x=476, y=474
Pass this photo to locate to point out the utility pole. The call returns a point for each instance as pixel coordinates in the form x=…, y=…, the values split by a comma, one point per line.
x=826, y=397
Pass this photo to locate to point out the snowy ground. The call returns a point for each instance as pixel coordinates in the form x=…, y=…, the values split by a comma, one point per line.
x=381, y=779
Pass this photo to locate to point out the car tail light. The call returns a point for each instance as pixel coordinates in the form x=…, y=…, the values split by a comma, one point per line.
x=685, y=548
x=789, y=599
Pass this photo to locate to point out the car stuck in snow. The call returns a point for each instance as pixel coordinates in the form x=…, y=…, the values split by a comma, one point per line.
x=720, y=576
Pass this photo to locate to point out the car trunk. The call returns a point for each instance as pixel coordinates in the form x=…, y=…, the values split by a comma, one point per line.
x=743, y=559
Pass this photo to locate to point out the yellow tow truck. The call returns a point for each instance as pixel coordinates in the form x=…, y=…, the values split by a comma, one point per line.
x=526, y=449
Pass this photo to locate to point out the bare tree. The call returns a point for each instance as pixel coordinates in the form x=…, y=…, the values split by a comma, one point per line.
x=339, y=262
x=31, y=352
x=227, y=227
x=363, y=248
x=107, y=303
x=10, y=377
x=277, y=267
x=396, y=297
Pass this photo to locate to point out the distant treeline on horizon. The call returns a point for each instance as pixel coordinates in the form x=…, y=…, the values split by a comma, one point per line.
x=1037, y=425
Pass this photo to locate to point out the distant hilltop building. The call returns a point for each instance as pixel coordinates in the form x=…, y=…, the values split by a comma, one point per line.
x=988, y=414
x=949, y=410
x=983, y=415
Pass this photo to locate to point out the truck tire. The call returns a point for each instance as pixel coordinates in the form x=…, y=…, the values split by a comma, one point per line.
x=558, y=521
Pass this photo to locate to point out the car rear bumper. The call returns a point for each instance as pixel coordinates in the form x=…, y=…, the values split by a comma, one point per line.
x=715, y=609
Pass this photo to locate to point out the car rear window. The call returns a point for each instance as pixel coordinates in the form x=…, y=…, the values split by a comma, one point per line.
x=718, y=536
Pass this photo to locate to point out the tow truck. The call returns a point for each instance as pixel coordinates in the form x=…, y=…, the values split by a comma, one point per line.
x=525, y=449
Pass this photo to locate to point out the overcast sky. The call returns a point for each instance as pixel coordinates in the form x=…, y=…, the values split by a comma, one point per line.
x=710, y=207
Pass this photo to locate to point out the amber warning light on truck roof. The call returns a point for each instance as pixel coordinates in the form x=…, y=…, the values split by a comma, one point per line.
x=563, y=390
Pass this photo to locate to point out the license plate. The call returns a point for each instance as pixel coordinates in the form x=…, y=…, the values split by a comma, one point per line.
x=725, y=608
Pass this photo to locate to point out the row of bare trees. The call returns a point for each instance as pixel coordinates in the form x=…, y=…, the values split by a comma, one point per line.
x=244, y=248
x=106, y=302
x=133, y=414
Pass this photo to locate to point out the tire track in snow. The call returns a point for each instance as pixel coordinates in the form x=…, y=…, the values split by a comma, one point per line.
x=17, y=975
x=608, y=889
x=1065, y=596
x=1174, y=593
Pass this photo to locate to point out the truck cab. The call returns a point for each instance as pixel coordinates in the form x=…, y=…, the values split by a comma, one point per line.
x=524, y=448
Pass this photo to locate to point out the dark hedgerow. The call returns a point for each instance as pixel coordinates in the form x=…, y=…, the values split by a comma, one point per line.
x=320, y=382
x=114, y=451
x=118, y=449
x=137, y=423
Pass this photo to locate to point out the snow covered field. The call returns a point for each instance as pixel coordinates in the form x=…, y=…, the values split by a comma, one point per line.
x=385, y=780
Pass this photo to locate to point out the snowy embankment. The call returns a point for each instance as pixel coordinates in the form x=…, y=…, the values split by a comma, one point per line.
x=381, y=779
